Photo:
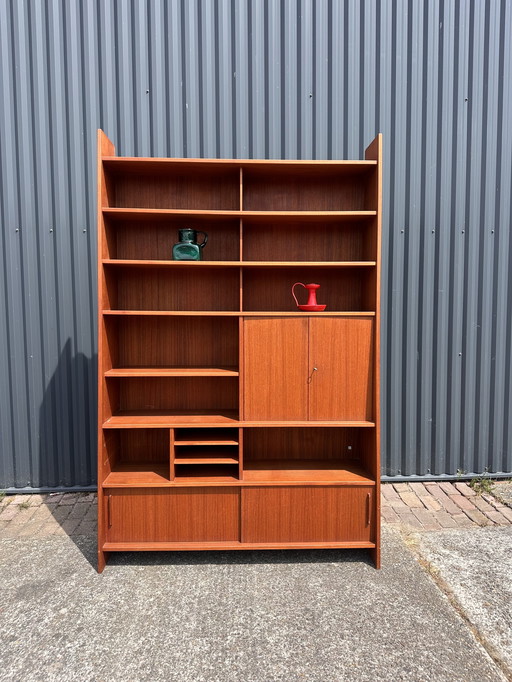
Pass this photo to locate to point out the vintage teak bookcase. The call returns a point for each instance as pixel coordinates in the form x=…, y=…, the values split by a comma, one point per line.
x=228, y=418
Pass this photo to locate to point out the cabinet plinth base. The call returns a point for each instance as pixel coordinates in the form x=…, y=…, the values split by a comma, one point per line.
x=202, y=546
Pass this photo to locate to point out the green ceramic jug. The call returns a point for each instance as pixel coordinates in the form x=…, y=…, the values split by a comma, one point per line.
x=187, y=248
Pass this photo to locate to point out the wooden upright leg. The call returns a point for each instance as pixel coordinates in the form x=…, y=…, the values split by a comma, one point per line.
x=102, y=560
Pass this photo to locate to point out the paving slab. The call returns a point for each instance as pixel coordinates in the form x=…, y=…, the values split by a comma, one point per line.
x=229, y=616
x=475, y=566
x=503, y=491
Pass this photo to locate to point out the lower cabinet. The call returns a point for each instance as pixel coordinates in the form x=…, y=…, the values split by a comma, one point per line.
x=251, y=515
x=307, y=514
x=179, y=515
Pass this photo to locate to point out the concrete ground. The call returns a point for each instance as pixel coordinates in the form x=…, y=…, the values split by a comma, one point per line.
x=437, y=610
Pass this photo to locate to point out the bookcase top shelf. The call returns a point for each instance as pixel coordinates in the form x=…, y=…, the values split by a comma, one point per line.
x=151, y=164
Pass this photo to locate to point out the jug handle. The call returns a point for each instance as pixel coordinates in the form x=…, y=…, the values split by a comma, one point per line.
x=204, y=240
x=293, y=292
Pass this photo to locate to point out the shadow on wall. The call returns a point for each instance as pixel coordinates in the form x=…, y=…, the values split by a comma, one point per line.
x=67, y=424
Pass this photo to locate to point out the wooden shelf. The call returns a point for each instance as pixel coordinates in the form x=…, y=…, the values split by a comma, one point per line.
x=207, y=473
x=254, y=220
x=234, y=313
x=139, y=474
x=201, y=458
x=172, y=372
x=149, y=420
x=305, y=470
x=118, y=262
x=207, y=441
x=256, y=472
x=145, y=214
x=174, y=313
x=217, y=437
x=160, y=419
x=235, y=264
x=312, y=424
x=137, y=164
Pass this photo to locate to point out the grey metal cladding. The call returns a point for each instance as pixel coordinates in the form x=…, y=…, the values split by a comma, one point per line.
x=291, y=79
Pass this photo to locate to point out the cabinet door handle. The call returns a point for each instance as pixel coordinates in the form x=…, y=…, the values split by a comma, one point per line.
x=310, y=378
x=109, y=511
x=368, y=508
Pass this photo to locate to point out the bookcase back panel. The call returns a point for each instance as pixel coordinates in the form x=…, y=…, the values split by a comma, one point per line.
x=181, y=289
x=304, y=191
x=215, y=189
x=301, y=241
x=139, y=445
x=154, y=241
x=177, y=394
x=176, y=342
x=302, y=443
x=270, y=290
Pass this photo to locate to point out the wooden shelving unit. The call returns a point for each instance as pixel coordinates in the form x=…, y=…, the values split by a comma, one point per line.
x=227, y=418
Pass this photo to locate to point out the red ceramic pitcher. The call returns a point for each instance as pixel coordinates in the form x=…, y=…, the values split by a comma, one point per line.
x=312, y=304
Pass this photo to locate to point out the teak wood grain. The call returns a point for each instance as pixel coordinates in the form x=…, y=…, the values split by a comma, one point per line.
x=176, y=394
x=323, y=190
x=305, y=471
x=374, y=152
x=314, y=369
x=160, y=341
x=293, y=443
x=178, y=515
x=275, y=369
x=341, y=289
x=104, y=147
x=209, y=546
x=179, y=188
x=307, y=514
x=341, y=368
x=291, y=239
x=224, y=313
x=182, y=289
x=137, y=239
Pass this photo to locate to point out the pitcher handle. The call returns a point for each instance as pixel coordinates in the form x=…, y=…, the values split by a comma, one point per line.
x=205, y=239
x=293, y=292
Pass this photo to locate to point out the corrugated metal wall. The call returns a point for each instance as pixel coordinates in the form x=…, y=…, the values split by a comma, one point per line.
x=283, y=78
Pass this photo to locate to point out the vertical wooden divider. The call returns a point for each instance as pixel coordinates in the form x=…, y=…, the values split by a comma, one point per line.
x=241, y=453
x=240, y=319
x=241, y=188
x=172, y=454
x=241, y=372
x=104, y=148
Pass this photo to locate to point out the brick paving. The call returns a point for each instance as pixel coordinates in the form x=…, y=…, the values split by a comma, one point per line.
x=429, y=506
x=434, y=506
